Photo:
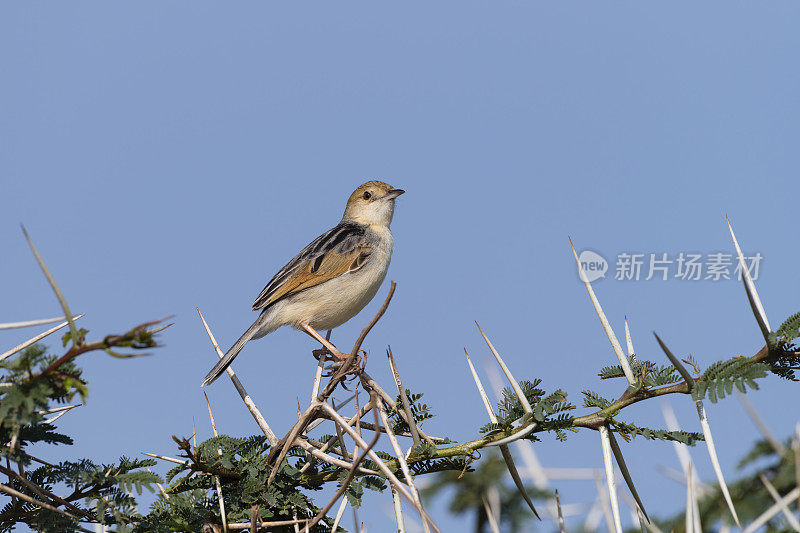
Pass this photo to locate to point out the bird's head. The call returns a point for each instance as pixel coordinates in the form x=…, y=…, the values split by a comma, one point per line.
x=372, y=204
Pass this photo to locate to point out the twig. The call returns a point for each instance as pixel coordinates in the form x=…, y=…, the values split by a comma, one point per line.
x=356, y=449
x=277, y=454
x=28, y=323
x=216, y=477
x=681, y=449
x=108, y=342
x=160, y=487
x=609, y=469
x=58, y=409
x=318, y=377
x=767, y=515
x=328, y=444
x=526, y=405
x=61, y=300
x=254, y=518
x=165, y=458
x=603, y=499
x=280, y=449
x=779, y=448
x=379, y=462
x=388, y=400
x=23, y=496
x=507, y=457
x=790, y=518
x=561, y=527
x=351, y=474
x=236, y=526
x=45, y=494
x=626, y=475
x=644, y=525
x=490, y=515
x=712, y=454
x=306, y=444
x=403, y=397
x=342, y=445
x=370, y=427
x=339, y=514
x=676, y=363
x=60, y=412
x=694, y=516
x=750, y=288
x=37, y=338
x=322, y=418
x=796, y=453
x=628, y=341
x=251, y=406
x=398, y=511
x=400, y=458
x=378, y=315
x=322, y=446
x=592, y=421
x=623, y=361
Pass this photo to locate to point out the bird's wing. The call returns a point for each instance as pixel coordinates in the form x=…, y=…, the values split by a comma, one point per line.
x=343, y=249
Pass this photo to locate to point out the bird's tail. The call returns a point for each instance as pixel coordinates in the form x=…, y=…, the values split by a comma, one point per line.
x=231, y=354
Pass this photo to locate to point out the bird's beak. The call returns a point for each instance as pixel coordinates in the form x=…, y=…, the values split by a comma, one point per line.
x=392, y=194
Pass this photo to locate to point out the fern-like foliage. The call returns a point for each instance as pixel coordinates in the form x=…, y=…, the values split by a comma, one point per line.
x=721, y=377
x=35, y=381
x=550, y=411
x=790, y=329
x=629, y=431
x=784, y=358
x=429, y=466
x=241, y=465
x=419, y=411
x=593, y=399
x=647, y=373
x=786, y=367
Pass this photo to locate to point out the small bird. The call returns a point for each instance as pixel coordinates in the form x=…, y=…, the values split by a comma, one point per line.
x=331, y=279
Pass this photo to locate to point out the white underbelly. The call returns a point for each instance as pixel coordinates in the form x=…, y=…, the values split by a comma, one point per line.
x=334, y=302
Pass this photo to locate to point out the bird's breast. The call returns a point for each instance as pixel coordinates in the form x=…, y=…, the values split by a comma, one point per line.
x=336, y=301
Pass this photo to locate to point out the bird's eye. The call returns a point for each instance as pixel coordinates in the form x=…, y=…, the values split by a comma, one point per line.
x=367, y=195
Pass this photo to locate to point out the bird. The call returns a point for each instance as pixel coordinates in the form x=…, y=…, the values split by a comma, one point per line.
x=332, y=279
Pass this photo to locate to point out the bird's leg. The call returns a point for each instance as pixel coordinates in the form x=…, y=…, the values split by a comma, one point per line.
x=331, y=348
x=323, y=352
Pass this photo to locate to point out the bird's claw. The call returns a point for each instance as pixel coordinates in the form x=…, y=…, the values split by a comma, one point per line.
x=329, y=355
x=320, y=352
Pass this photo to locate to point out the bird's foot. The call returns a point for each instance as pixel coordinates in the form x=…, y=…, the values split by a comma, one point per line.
x=340, y=357
x=321, y=352
x=329, y=354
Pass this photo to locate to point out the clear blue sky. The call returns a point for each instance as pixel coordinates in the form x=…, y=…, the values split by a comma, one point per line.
x=170, y=155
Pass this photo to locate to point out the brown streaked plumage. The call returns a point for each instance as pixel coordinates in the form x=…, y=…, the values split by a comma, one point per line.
x=330, y=255
x=332, y=278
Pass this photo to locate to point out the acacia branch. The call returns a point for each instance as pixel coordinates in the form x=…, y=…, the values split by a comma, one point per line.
x=591, y=421
x=45, y=493
x=130, y=339
x=352, y=473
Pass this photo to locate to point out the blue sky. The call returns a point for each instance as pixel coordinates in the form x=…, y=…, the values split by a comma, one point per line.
x=166, y=156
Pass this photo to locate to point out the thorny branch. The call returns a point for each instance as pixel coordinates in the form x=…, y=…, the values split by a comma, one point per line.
x=139, y=337
x=591, y=421
x=320, y=409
